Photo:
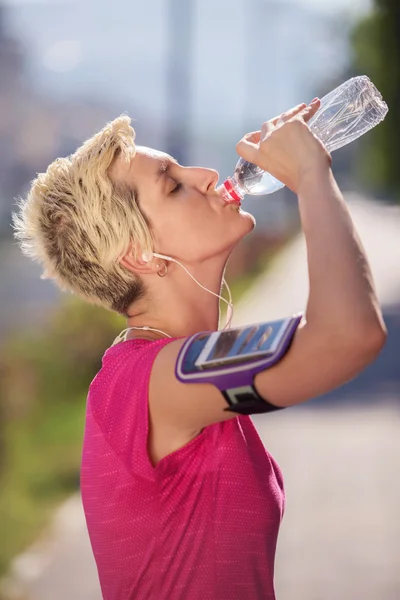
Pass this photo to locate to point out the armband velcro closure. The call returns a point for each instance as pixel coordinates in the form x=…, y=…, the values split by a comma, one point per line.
x=245, y=400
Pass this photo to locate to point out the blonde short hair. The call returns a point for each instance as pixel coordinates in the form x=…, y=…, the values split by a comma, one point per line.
x=76, y=222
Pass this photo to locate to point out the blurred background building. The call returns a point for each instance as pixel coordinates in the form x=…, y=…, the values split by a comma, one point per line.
x=195, y=75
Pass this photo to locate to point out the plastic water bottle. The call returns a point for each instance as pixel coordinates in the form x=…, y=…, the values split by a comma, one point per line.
x=345, y=114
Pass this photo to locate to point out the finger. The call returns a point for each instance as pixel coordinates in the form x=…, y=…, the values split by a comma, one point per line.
x=247, y=147
x=266, y=129
x=311, y=109
x=252, y=137
x=289, y=114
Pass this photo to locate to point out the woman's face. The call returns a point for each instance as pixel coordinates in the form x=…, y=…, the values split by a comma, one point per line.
x=188, y=218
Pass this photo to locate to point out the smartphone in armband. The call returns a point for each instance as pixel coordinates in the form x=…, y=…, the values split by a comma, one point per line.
x=230, y=360
x=241, y=344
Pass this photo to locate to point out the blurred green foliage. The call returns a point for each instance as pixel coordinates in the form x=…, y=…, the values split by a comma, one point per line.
x=376, y=46
x=44, y=382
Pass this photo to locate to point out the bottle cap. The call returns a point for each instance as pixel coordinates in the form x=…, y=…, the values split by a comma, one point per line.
x=231, y=191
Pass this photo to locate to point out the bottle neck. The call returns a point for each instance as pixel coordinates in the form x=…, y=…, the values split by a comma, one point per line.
x=231, y=191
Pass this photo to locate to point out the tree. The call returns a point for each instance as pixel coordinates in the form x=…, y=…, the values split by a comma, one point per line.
x=376, y=44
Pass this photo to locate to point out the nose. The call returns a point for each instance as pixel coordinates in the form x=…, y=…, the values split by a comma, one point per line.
x=205, y=179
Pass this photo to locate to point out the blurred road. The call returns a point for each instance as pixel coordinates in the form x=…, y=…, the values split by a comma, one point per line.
x=340, y=536
x=340, y=455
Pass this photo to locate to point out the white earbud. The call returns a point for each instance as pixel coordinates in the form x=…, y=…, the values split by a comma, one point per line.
x=147, y=256
x=164, y=256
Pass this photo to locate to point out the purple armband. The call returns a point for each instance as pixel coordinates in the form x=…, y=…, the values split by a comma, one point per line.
x=230, y=360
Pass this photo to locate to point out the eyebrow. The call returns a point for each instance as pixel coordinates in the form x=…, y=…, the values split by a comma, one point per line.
x=164, y=167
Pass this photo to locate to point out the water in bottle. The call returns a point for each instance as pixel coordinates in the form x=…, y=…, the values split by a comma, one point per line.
x=345, y=114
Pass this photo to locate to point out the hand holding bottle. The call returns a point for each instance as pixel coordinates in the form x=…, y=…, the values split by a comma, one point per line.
x=342, y=116
x=285, y=146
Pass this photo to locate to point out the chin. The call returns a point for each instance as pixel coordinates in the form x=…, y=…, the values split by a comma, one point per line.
x=248, y=224
x=241, y=227
x=249, y=217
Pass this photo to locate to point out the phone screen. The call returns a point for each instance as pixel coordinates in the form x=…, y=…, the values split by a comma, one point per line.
x=241, y=343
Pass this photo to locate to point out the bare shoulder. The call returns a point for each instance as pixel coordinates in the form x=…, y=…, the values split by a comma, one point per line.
x=179, y=411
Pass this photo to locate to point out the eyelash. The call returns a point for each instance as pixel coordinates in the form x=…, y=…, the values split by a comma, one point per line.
x=176, y=188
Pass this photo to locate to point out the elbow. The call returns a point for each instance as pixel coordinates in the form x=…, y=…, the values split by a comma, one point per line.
x=378, y=339
x=375, y=336
x=357, y=350
x=381, y=335
x=369, y=341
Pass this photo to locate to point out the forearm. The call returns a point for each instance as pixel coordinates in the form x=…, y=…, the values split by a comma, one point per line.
x=342, y=296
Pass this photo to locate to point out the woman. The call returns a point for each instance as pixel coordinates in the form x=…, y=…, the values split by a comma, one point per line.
x=182, y=501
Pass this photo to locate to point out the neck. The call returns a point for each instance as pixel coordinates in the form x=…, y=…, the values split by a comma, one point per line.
x=178, y=306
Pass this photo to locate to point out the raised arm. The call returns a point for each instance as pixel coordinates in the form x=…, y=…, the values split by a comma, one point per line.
x=343, y=330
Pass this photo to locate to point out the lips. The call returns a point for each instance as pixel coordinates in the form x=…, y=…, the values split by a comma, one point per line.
x=231, y=202
x=234, y=202
x=229, y=194
x=225, y=197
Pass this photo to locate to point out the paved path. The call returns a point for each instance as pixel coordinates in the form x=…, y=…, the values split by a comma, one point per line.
x=340, y=537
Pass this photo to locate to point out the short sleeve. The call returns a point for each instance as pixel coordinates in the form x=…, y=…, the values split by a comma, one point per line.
x=118, y=398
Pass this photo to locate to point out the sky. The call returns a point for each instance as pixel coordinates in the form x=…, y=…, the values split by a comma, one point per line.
x=356, y=6
x=326, y=6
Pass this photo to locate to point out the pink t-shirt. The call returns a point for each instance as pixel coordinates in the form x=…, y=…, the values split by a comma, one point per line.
x=202, y=524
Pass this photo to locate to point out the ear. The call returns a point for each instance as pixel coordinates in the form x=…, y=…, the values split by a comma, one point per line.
x=137, y=266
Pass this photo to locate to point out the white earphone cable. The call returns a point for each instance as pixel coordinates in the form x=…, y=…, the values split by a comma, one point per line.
x=121, y=336
x=228, y=303
x=229, y=312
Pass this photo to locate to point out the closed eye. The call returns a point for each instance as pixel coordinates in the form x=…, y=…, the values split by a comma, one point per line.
x=176, y=189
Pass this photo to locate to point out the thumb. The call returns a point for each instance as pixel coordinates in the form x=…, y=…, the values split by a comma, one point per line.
x=247, y=147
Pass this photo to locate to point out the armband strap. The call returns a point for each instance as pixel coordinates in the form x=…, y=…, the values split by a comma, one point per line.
x=247, y=401
x=230, y=360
